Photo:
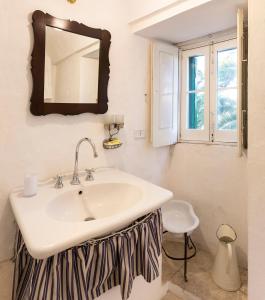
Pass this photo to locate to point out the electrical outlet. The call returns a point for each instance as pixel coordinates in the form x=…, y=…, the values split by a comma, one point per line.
x=139, y=134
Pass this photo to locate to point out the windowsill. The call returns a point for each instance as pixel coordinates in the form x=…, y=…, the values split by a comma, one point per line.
x=230, y=144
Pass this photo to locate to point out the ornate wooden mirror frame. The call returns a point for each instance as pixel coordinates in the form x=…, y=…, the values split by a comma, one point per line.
x=38, y=107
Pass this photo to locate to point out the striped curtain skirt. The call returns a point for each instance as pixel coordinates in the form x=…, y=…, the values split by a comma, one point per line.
x=88, y=270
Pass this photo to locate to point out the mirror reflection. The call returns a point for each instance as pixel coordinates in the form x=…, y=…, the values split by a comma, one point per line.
x=71, y=67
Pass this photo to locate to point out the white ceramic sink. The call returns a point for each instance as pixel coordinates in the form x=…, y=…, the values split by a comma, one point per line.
x=57, y=219
x=99, y=200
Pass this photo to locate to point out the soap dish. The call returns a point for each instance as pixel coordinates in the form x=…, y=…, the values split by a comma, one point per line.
x=112, y=143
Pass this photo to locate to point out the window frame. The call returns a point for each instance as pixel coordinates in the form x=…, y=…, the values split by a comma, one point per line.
x=186, y=133
x=210, y=134
x=220, y=135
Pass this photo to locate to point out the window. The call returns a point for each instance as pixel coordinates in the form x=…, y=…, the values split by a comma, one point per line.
x=209, y=93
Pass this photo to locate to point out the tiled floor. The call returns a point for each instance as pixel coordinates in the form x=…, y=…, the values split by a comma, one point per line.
x=170, y=296
x=199, y=282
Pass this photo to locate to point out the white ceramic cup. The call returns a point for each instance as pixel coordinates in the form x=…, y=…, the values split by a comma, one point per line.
x=30, y=185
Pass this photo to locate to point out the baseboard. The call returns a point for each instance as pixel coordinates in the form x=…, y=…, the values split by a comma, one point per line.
x=181, y=293
x=165, y=289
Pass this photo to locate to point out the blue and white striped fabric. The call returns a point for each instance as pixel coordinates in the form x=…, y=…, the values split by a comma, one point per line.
x=86, y=271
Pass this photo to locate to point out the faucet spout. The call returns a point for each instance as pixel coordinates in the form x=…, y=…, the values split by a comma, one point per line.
x=75, y=179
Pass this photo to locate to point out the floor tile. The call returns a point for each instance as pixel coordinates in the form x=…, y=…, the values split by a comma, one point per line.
x=170, y=296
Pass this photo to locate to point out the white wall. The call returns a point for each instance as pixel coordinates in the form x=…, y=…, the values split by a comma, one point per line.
x=139, y=8
x=88, y=80
x=213, y=179
x=46, y=144
x=48, y=86
x=68, y=73
x=73, y=79
x=256, y=161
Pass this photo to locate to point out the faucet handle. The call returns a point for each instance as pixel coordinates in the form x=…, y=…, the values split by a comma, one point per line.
x=59, y=182
x=89, y=176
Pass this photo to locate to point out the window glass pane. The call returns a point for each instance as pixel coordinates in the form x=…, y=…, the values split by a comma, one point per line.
x=196, y=73
x=195, y=111
x=227, y=68
x=227, y=109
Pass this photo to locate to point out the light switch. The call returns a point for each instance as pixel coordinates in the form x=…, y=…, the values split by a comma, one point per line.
x=139, y=134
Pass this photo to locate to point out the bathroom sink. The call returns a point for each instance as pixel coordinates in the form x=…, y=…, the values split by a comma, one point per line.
x=93, y=202
x=57, y=219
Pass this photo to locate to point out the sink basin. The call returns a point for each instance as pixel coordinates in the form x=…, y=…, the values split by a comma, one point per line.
x=93, y=202
x=57, y=219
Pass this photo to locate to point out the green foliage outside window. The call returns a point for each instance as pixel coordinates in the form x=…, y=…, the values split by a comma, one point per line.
x=226, y=100
x=196, y=100
x=226, y=91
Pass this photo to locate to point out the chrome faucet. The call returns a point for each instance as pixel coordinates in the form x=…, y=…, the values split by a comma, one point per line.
x=75, y=179
x=59, y=182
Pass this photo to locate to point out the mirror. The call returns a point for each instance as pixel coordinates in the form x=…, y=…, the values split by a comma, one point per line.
x=70, y=67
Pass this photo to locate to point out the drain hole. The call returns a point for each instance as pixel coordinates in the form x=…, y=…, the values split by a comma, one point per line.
x=80, y=192
x=89, y=219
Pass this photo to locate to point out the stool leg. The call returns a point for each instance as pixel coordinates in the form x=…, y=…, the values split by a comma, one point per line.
x=185, y=255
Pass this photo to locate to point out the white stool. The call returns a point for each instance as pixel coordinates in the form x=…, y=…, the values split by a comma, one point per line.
x=179, y=218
